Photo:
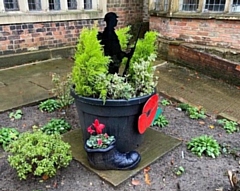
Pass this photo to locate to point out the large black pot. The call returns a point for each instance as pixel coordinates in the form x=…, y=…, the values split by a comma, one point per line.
x=119, y=116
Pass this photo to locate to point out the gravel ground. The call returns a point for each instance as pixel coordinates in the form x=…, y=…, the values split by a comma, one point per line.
x=201, y=173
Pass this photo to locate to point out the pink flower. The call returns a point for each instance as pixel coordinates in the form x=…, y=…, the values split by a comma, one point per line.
x=98, y=126
x=106, y=135
x=99, y=142
x=90, y=130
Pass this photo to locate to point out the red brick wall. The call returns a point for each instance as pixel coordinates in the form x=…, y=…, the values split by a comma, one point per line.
x=128, y=11
x=17, y=38
x=221, y=33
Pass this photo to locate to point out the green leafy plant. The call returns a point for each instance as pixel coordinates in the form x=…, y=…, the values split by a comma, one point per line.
x=204, y=145
x=38, y=154
x=7, y=135
x=56, y=126
x=97, y=138
x=196, y=113
x=62, y=87
x=179, y=170
x=161, y=121
x=89, y=64
x=183, y=106
x=90, y=72
x=165, y=102
x=229, y=126
x=193, y=112
x=16, y=115
x=49, y=105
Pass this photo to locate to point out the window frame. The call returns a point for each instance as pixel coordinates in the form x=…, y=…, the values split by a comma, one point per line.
x=174, y=11
x=24, y=15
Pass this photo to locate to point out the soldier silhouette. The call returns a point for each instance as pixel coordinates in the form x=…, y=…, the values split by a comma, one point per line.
x=111, y=44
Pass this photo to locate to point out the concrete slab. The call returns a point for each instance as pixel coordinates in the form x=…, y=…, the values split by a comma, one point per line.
x=174, y=81
x=26, y=93
x=26, y=84
x=155, y=145
x=187, y=85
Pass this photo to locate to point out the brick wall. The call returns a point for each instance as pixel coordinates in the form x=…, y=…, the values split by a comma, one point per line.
x=36, y=36
x=128, y=11
x=18, y=38
x=220, y=33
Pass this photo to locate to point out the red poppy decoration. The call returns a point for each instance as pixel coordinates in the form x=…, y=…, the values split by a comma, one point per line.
x=148, y=113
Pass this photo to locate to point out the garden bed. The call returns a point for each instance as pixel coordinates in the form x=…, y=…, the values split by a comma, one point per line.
x=200, y=173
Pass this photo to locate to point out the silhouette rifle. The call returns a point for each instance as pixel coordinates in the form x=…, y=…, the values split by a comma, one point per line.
x=133, y=50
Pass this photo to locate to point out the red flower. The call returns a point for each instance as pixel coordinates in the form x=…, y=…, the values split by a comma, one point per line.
x=90, y=130
x=99, y=142
x=98, y=126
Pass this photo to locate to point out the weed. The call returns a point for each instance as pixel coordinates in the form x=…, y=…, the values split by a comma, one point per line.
x=204, y=145
x=7, y=135
x=193, y=112
x=196, y=113
x=165, y=102
x=229, y=126
x=56, y=126
x=62, y=87
x=16, y=115
x=161, y=121
x=179, y=171
x=49, y=105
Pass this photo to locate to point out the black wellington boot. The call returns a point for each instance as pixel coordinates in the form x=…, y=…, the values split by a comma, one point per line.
x=111, y=159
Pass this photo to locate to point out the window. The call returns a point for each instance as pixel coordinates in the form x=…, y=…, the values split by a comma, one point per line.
x=195, y=6
x=34, y=5
x=11, y=5
x=22, y=11
x=188, y=5
x=87, y=4
x=235, y=7
x=214, y=5
x=54, y=4
x=72, y=4
x=160, y=5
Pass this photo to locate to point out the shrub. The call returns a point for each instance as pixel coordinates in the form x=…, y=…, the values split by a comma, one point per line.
x=38, y=154
x=204, y=145
x=62, y=86
x=7, y=135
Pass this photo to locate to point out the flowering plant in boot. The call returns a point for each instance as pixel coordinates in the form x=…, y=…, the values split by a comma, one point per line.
x=98, y=139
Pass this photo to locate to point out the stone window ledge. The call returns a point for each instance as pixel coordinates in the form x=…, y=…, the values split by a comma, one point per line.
x=31, y=17
x=194, y=15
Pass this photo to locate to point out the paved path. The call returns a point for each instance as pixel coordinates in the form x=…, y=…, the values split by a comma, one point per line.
x=24, y=85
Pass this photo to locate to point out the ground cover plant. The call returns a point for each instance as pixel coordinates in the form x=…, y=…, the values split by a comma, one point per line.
x=228, y=125
x=7, y=135
x=179, y=169
x=56, y=126
x=38, y=154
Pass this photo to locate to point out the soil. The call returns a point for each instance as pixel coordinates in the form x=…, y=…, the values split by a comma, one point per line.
x=201, y=173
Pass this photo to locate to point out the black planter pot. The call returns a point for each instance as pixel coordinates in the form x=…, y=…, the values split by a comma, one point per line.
x=111, y=159
x=119, y=116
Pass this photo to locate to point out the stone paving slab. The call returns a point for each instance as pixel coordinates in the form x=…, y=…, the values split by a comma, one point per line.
x=199, y=90
x=27, y=84
x=174, y=81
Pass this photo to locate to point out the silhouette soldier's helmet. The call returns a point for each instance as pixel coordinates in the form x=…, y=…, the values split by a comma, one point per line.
x=109, y=16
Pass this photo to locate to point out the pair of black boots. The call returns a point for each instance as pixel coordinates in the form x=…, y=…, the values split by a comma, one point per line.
x=111, y=159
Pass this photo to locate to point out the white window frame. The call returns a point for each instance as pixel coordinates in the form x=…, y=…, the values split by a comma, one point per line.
x=176, y=8
x=25, y=16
